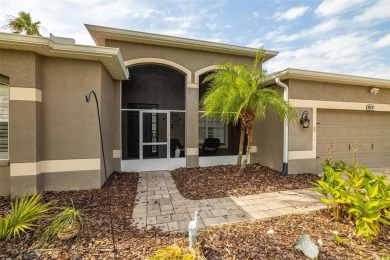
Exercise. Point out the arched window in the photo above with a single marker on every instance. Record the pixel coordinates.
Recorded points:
(156, 85)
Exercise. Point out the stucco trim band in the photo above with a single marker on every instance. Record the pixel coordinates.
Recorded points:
(116, 154)
(294, 155)
(253, 149)
(25, 169)
(25, 94)
(192, 151)
(160, 61)
(192, 85)
(35, 168)
(337, 105)
(204, 70)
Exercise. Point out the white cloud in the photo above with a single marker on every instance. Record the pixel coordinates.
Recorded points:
(279, 36)
(383, 41)
(292, 13)
(332, 7)
(212, 26)
(379, 11)
(256, 43)
(347, 54)
(256, 14)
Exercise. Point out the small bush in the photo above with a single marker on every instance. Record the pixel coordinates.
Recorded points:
(67, 222)
(355, 192)
(174, 252)
(24, 212)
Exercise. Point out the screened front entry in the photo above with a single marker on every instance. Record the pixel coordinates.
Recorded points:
(153, 119)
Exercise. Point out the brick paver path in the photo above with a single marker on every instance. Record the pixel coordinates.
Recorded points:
(160, 204)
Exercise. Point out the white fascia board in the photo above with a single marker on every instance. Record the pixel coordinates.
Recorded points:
(59, 49)
(331, 78)
(98, 31)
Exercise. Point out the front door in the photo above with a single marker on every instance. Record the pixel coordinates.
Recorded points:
(154, 140)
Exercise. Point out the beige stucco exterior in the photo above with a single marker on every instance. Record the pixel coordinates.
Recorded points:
(54, 139)
(189, 61)
(315, 92)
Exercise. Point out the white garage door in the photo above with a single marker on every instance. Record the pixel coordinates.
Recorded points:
(341, 128)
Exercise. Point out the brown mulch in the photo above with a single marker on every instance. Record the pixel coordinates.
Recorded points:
(224, 181)
(240, 241)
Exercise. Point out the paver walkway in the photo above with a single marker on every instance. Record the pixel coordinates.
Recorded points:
(160, 204)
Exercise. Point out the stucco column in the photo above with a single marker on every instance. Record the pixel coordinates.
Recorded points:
(192, 124)
(25, 134)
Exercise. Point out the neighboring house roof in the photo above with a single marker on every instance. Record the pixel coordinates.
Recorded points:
(331, 78)
(111, 58)
(100, 34)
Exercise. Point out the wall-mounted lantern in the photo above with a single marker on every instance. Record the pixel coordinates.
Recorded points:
(305, 121)
(374, 91)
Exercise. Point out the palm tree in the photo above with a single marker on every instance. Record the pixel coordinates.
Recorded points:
(23, 23)
(238, 93)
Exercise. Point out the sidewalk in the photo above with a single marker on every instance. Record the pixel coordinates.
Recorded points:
(160, 204)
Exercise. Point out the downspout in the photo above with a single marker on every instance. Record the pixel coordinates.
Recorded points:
(285, 130)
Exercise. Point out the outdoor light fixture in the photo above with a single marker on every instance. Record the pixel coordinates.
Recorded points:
(374, 91)
(305, 121)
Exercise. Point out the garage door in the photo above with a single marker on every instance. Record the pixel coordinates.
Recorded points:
(341, 128)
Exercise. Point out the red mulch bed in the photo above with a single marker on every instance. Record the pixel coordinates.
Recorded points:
(224, 181)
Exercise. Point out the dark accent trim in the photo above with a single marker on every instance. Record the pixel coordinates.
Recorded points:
(284, 170)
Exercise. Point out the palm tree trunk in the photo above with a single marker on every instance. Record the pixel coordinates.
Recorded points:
(241, 147)
(249, 132)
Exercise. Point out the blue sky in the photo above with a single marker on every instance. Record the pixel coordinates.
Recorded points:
(339, 36)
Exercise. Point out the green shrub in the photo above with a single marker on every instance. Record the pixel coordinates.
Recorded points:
(68, 221)
(355, 192)
(174, 252)
(24, 212)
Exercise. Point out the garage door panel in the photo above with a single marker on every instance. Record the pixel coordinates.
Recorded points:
(386, 133)
(386, 120)
(354, 118)
(354, 132)
(342, 132)
(369, 131)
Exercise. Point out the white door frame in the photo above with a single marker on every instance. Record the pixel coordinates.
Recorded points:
(160, 163)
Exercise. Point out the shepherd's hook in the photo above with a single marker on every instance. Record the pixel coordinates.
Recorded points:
(88, 98)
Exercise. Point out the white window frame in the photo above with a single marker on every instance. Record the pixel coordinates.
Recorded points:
(224, 144)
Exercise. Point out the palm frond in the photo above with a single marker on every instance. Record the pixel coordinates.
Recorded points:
(23, 23)
(22, 216)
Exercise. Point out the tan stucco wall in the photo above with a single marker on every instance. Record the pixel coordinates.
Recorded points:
(12, 63)
(301, 139)
(5, 188)
(191, 59)
(70, 123)
(63, 127)
(268, 137)
(110, 109)
(312, 90)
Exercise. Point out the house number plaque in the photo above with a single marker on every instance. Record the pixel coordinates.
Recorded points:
(370, 107)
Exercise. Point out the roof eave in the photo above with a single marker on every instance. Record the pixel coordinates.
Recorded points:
(330, 77)
(100, 34)
(47, 47)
